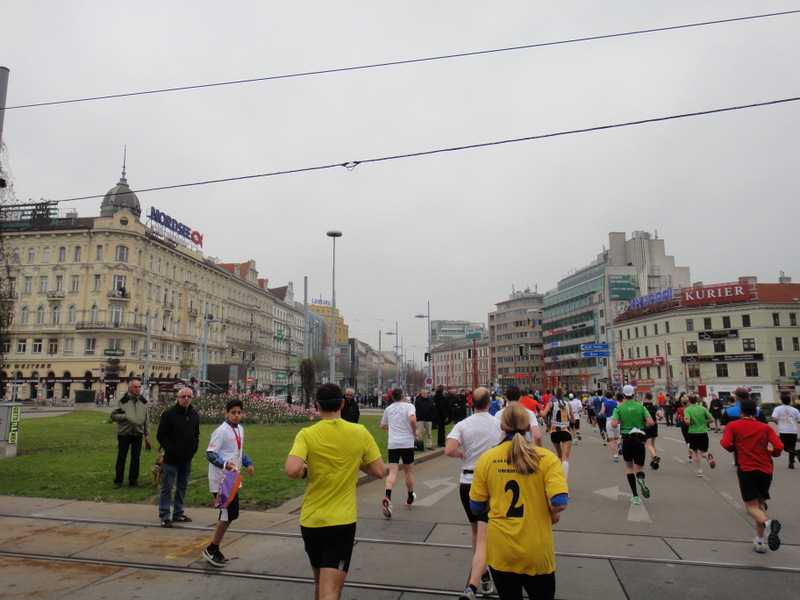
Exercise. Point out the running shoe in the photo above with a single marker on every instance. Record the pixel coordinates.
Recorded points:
(467, 595)
(215, 557)
(410, 501)
(643, 485)
(387, 508)
(711, 462)
(635, 500)
(578, 435)
(773, 526)
(616, 458)
(487, 584)
(759, 545)
(654, 464)
(699, 472)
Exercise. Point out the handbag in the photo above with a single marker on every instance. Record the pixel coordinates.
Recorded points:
(228, 486)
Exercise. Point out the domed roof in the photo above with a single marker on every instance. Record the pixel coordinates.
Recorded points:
(120, 197)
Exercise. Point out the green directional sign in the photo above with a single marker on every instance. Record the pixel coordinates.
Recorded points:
(280, 376)
(474, 336)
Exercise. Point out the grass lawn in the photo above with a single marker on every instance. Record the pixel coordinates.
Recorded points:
(72, 456)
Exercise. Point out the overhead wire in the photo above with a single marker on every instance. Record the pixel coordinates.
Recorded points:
(403, 62)
(350, 165)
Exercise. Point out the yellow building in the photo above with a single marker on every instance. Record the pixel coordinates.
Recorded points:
(323, 309)
(90, 296)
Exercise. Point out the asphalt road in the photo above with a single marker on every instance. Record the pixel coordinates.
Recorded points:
(691, 539)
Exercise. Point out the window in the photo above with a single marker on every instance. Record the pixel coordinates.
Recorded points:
(71, 315)
(94, 313)
(62, 254)
(96, 283)
(689, 324)
(779, 344)
(52, 346)
(31, 255)
(98, 252)
(115, 344)
(647, 352)
(655, 329)
(719, 345)
(750, 369)
(691, 348)
(150, 262)
(22, 346)
(36, 346)
(75, 283)
(666, 326)
(121, 254)
(669, 349)
(27, 286)
(40, 315)
(43, 284)
(134, 347)
(707, 323)
(748, 344)
(117, 315)
(793, 319)
(119, 282)
(56, 314)
(5, 346)
(69, 347)
(745, 320)
(776, 319)
(722, 370)
(636, 332)
(76, 257)
(24, 315)
(796, 344)
(59, 283)
(726, 322)
(89, 347)
(782, 369)
(694, 370)
(46, 255)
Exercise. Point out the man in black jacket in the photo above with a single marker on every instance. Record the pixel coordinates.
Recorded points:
(426, 411)
(441, 414)
(179, 435)
(350, 411)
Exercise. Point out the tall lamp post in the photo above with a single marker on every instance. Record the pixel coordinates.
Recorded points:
(206, 320)
(396, 354)
(430, 358)
(256, 337)
(333, 233)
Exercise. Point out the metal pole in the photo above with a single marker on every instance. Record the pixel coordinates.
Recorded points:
(146, 378)
(396, 354)
(255, 360)
(380, 364)
(332, 342)
(205, 352)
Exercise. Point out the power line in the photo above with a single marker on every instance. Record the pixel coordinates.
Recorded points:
(402, 62)
(350, 165)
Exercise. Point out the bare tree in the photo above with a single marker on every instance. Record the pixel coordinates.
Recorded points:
(308, 374)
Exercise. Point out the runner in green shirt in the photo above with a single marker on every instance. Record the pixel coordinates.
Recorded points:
(697, 417)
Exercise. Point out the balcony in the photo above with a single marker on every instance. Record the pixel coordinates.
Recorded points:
(192, 311)
(110, 325)
(56, 295)
(120, 294)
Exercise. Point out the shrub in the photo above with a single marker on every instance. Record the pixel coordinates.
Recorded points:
(257, 410)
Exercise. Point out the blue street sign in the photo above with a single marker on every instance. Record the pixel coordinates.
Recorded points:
(594, 354)
(594, 346)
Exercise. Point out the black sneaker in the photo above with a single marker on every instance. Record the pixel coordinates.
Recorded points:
(215, 557)
(182, 519)
(166, 523)
(773, 527)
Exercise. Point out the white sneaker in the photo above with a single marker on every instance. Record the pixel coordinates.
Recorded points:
(487, 584)
(759, 545)
(387, 508)
(699, 472)
(616, 458)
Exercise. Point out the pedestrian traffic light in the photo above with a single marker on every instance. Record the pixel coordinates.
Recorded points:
(427, 357)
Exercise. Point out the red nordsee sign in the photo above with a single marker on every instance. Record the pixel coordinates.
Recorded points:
(715, 294)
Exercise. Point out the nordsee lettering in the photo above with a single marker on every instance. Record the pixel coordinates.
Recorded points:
(655, 298)
(182, 230)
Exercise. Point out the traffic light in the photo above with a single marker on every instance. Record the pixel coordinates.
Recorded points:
(469, 353)
(427, 357)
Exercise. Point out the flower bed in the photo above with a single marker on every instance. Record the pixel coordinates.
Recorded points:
(257, 410)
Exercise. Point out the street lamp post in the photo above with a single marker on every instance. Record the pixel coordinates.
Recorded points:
(396, 355)
(207, 318)
(430, 358)
(256, 337)
(333, 233)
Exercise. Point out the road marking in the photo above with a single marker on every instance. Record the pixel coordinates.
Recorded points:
(636, 513)
(449, 486)
(189, 549)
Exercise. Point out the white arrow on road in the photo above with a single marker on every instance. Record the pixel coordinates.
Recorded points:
(449, 486)
(637, 512)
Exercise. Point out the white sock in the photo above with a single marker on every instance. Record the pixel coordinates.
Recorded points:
(565, 466)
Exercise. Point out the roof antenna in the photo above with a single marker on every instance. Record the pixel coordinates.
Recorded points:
(124, 160)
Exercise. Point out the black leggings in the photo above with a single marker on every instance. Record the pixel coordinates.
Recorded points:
(510, 585)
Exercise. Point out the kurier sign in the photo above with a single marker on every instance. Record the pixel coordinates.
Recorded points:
(715, 294)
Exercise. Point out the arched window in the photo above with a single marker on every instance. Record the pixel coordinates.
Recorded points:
(72, 314)
(56, 314)
(25, 315)
(94, 313)
(117, 314)
(40, 315)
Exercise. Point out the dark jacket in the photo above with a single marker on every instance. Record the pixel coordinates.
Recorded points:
(179, 434)
(442, 408)
(425, 408)
(350, 411)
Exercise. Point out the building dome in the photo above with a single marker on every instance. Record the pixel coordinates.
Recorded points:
(120, 197)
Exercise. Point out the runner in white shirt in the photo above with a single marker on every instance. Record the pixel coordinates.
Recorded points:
(577, 408)
(787, 417)
(401, 421)
(468, 440)
(513, 394)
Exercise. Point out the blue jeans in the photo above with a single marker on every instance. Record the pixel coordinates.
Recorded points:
(167, 478)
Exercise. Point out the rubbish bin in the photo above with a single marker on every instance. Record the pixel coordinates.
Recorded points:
(9, 428)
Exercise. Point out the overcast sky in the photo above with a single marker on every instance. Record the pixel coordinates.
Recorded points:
(461, 228)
